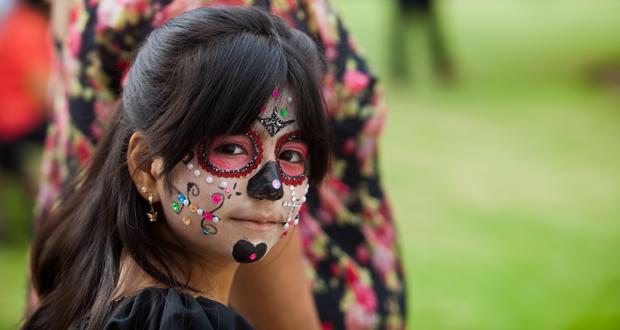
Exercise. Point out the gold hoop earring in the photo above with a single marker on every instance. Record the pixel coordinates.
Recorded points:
(152, 214)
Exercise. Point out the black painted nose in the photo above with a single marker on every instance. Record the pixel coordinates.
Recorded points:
(266, 183)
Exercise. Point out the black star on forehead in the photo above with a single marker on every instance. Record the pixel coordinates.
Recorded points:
(273, 124)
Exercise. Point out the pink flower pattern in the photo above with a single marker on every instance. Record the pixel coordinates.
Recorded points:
(347, 228)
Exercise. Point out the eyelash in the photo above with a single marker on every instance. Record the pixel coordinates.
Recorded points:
(293, 180)
(295, 153)
(221, 149)
(254, 149)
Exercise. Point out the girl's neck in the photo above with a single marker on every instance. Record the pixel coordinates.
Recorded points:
(211, 279)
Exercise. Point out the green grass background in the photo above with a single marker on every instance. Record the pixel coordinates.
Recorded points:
(506, 183)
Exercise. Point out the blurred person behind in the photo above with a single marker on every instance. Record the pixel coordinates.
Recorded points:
(347, 240)
(25, 57)
(411, 14)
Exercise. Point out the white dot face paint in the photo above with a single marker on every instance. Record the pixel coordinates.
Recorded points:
(211, 211)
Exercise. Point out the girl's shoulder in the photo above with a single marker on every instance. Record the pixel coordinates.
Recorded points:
(155, 308)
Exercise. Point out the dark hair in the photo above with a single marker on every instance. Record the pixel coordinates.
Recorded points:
(207, 72)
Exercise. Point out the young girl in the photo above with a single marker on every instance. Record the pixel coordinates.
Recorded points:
(205, 165)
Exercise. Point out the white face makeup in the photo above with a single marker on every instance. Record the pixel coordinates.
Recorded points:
(237, 195)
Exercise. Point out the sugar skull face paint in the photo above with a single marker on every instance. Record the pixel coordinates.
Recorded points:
(274, 123)
(245, 252)
(292, 158)
(231, 156)
(235, 196)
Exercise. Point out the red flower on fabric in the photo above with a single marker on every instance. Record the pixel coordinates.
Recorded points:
(82, 151)
(355, 81)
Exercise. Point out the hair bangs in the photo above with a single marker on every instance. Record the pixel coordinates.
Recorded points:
(224, 86)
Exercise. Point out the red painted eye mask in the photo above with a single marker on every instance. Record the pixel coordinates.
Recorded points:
(234, 156)
(231, 156)
(292, 156)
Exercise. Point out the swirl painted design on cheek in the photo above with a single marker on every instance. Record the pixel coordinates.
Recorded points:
(207, 215)
(231, 165)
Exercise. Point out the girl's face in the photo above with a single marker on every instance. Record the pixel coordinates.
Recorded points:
(237, 195)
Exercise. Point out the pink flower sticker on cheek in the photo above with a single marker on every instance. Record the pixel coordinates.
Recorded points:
(216, 198)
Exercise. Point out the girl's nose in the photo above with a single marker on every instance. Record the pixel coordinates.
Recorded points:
(266, 183)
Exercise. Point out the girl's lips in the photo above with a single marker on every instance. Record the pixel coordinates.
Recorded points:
(256, 224)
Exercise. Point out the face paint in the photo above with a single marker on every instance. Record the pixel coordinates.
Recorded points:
(231, 156)
(273, 124)
(291, 153)
(207, 215)
(294, 204)
(245, 252)
(210, 213)
(266, 183)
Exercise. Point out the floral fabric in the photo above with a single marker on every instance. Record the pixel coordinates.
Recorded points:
(347, 229)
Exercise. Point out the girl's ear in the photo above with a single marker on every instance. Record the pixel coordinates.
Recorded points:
(144, 171)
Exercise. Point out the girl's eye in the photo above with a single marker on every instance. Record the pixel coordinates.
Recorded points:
(292, 156)
(231, 149)
(231, 152)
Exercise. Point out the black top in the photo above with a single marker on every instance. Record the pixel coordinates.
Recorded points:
(154, 308)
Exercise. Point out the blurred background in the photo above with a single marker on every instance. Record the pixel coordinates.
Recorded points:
(501, 157)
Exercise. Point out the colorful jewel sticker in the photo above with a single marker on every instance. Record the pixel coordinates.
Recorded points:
(273, 124)
(293, 204)
(205, 215)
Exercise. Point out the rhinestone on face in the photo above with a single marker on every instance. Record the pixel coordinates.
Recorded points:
(284, 112)
(276, 184)
(286, 226)
(193, 207)
(187, 220)
(196, 173)
(200, 211)
(289, 99)
(209, 179)
(186, 202)
(223, 184)
(206, 231)
(273, 124)
(190, 166)
(216, 218)
(216, 198)
(176, 207)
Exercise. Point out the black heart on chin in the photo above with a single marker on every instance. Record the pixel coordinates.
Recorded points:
(245, 252)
